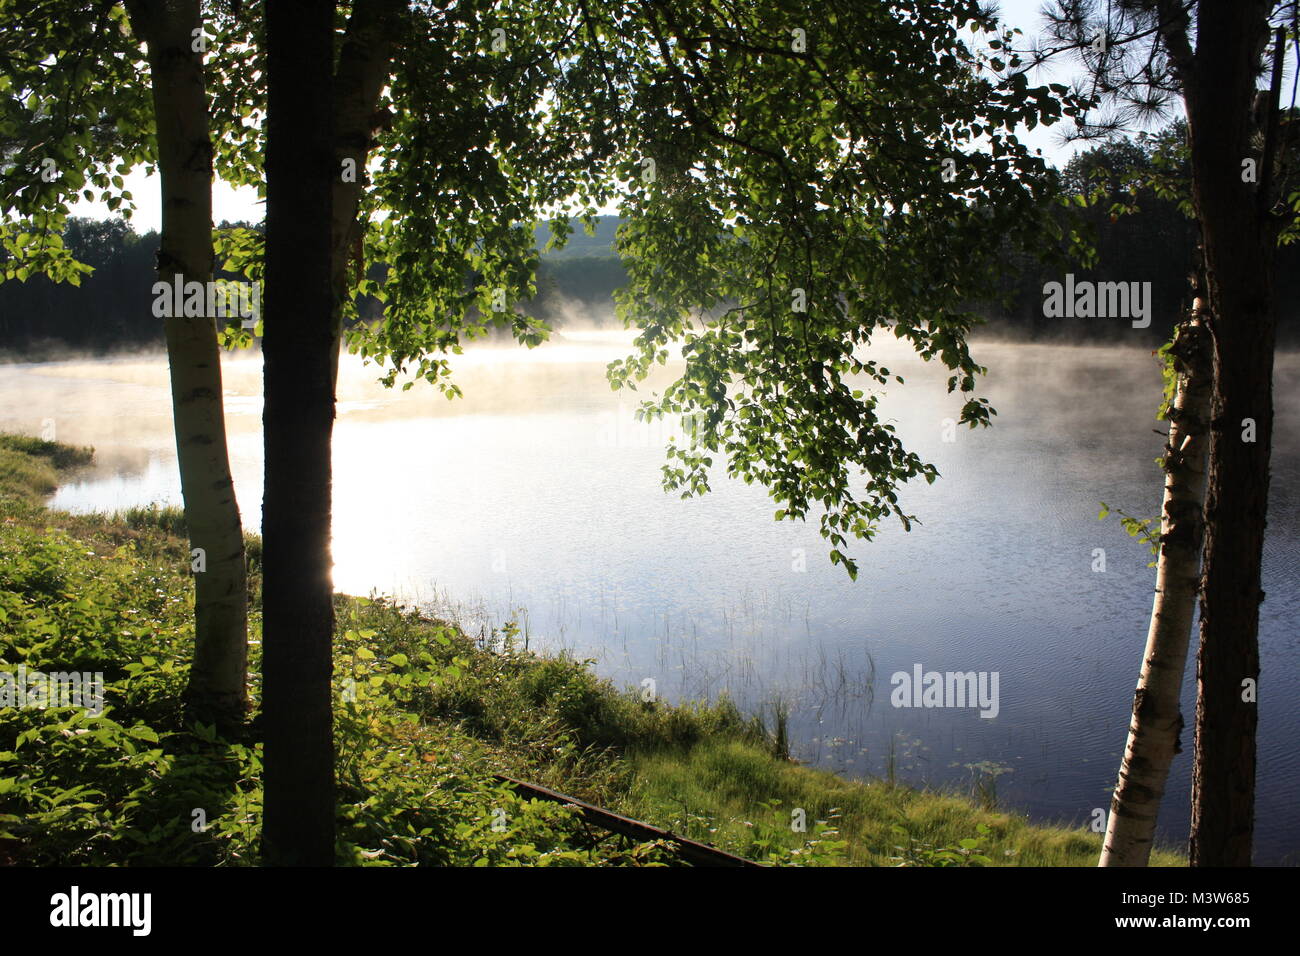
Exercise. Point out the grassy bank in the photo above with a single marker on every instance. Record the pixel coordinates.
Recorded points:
(425, 715)
(29, 467)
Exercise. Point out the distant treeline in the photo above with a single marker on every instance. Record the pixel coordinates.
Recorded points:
(110, 310)
(1140, 238)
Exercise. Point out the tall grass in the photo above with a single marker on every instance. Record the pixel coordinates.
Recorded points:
(736, 793)
(170, 519)
(166, 518)
(57, 454)
(29, 466)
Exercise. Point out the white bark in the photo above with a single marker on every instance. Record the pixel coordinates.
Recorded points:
(217, 689)
(1153, 737)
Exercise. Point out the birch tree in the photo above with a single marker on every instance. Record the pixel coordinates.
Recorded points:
(1142, 57)
(1157, 722)
(91, 90)
(172, 33)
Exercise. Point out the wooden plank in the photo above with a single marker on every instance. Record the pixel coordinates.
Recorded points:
(699, 854)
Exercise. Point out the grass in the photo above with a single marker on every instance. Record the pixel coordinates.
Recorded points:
(425, 716)
(29, 467)
(167, 518)
(735, 794)
(170, 519)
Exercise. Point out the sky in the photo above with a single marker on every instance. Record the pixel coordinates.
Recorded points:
(233, 204)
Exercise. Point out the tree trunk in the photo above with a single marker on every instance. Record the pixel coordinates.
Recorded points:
(217, 691)
(1239, 249)
(298, 420)
(363, 72)
(1157, 722)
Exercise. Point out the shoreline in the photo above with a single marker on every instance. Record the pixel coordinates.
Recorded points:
(426, 716)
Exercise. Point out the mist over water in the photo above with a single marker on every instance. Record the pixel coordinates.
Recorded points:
(537, 495)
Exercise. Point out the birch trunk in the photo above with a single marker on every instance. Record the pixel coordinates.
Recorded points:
(217, 691)
(363, 71)
(1153, 737)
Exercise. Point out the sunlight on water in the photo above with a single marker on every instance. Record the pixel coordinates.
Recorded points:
(537, 495)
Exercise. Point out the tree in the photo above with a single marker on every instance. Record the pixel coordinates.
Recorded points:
(794, 188)
(39, 311)
(798, 187)
(1157, 724)
(80, 109)
(1157, 175)
(1139, 227)
(217, 688)
(487, 127)
(298, 420)
(1240, 231)
(1141, 56)
(364, 69)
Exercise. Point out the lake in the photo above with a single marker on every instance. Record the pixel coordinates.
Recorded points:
(537, 496)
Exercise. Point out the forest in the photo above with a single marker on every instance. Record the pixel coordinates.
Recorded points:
(865, 436)
(577, 281)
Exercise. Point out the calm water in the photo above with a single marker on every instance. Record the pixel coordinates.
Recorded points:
(538, 496)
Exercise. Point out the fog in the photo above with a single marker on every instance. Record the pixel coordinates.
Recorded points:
(538, 496)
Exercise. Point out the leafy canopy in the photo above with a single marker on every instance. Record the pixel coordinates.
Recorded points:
(818, 179)
(794, 183)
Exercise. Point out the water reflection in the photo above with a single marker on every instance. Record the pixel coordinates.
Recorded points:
(537, 496)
